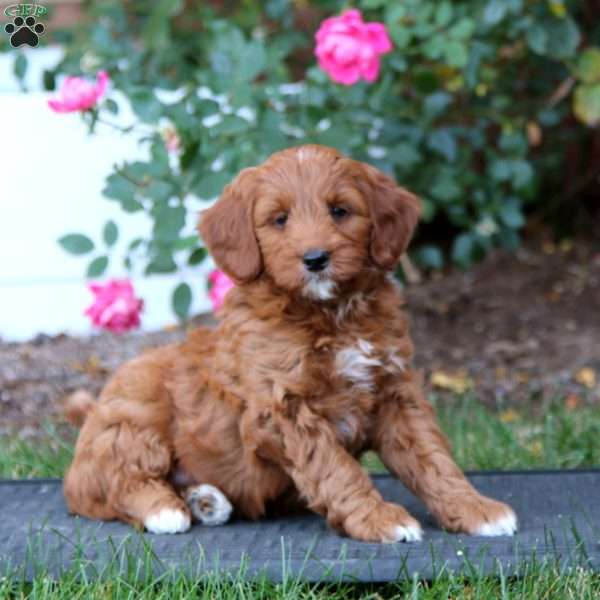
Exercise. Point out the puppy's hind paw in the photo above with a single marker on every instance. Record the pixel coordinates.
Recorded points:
(208, 505)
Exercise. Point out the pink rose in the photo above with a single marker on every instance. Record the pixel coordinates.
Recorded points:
(115, 306)
(77, 93)
(348, 49)
(220, 285)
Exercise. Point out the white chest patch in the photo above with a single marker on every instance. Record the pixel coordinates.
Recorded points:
(356, 363)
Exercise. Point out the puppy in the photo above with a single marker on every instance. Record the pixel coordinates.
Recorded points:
(309, 367)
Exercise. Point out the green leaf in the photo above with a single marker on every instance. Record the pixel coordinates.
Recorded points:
(371, 4)
(443, 14)
(456, 53)
(586, 104)
(159, 191)
(400, 33)
(463, 250)
(161, 262)
(182, 300)
(514, 143)
(435, 104)
(588, 65)
(494, 12)
(76, 243)
(501, 169)
(20, 66)
(442, 142)
(131, 206)
(430, 257)
(522, 173)
(145, 105)
(185, 242)
(168, 222)
(119, 188)
(230, 125)
(212, 184)
(97, 267)
(537, 38)
(555, 37)
(134, 244)
(197, 256)
(462, 30)
(445, 187)
(404, 156)
(511, 214)
(111, 106)
(110, 233)
(49, 80)
(252, 61)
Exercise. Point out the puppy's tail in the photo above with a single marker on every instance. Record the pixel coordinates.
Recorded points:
(77, 407)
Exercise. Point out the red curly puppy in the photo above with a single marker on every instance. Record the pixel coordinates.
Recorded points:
(309, 366)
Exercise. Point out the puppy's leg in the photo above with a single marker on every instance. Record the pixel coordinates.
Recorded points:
(119, 472)
(330, 480)
(154, 503)
(412, 446)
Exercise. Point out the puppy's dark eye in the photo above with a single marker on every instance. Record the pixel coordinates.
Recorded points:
(338, 212)
(280, 220)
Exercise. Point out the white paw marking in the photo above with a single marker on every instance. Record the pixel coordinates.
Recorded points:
(209, 505)
(168, 520)
(506, 525)
(355, 364)
(409, 533)
(319, 289)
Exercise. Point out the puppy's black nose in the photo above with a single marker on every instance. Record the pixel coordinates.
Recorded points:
(316, 259)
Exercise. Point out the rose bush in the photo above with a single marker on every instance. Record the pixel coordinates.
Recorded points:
(472, 108)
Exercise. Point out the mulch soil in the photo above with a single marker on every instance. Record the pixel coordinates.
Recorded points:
(519, 328)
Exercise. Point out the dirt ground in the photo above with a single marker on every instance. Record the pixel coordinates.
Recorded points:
(520, 327)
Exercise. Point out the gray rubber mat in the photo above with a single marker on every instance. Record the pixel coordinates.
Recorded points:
(559, 514)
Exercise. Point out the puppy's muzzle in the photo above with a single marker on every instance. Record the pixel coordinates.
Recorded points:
(316, 259)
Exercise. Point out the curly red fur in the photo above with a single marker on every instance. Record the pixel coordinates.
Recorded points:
(304, 372)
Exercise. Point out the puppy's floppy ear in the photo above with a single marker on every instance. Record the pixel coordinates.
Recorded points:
(227, 229)
(394, 213)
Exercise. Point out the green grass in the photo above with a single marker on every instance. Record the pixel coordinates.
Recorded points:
(555, 438)
(536, 582)
(517, 439)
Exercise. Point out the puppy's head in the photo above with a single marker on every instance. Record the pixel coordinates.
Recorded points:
(311, 219)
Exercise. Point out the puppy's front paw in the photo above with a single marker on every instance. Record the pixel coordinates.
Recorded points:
(479, 515)
(388, 523)
(168, 520)
(403, 527)
(208, 504)
(506, 524)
